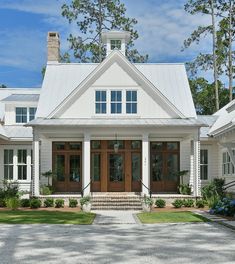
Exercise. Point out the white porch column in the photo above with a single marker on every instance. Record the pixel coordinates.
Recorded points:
(86, 163)
(195, 180)
(35, 178)
(145, 164)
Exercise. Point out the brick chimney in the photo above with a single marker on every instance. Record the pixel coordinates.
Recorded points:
(53, 47)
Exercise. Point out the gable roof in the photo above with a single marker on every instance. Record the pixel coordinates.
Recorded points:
(225, 120)
(63, 81)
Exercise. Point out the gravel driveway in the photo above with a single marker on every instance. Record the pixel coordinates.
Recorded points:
(126, 243)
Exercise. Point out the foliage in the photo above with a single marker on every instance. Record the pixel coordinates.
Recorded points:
(10, 189)
(93, 17)
(148, 201)
(85, 200)
(178, 203)
(35, 203)
(45, 190)
(3, 86)
(73, 202)
(188, 202)
(59, 203)
(200, 203)
(24, 202)
(49, 202)
(46, 217)
(13, 203)
(2, 202)
(184, 189)
(224, 206)
(170, 217)
(160, 203)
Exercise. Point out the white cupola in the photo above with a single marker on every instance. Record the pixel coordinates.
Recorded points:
(115, 40)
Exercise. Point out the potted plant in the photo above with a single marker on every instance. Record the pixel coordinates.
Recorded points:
(85, 203)
(147, 204)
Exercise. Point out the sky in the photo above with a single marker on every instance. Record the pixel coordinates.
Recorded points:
(162, 26)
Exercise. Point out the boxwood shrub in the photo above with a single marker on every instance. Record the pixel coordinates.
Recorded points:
(49, 202)
(59, 203)
(160, 203)
(35, 203)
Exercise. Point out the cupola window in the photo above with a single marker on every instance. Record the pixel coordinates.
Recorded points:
(115, 44)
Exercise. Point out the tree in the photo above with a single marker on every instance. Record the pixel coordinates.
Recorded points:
(92, 17)
(203, 96)
(3, 86)
(204, 61)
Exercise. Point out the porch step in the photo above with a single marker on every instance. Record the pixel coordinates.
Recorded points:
(116, 202)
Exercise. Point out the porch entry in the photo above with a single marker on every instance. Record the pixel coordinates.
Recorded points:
(67, 160)
(165, 158)
(116, 165)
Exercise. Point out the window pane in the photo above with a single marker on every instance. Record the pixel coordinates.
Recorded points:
(59, 146)
(60, 167)
(157, 145)
(136, 144)
(22, 172)
(119, 108)
(134, 96)
(113, 111)
(134, 108)
(21, 114)
(103, 96)
(119, 142)
(95, 166)
(75, 146)
(100, 106)
(74, 168)
(157, 167)
(128, 108)
(113, 96)
(32, 112)
(172, 167)
(136, 166)
(119, 96)
(95, 144)
(128, 95)
(97, 96)
(22, 156)
(172, 146)
(103, 105)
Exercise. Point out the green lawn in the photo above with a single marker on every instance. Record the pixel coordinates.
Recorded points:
(170, 217)
(46, 217)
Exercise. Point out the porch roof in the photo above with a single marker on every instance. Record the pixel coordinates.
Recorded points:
(16, 132)
(127, 122)
(21, 98)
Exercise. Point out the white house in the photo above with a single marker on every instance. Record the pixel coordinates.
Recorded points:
(110, 127)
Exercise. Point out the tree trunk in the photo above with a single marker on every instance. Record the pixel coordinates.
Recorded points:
(214, 56)
(100, 29)
(230, 62)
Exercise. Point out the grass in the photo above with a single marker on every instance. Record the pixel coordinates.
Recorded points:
(170, 217)
(46, 217)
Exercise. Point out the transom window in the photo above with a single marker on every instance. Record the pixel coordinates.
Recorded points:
(100, 102)
(21, 114)
(115, 44)
(116, 102)
(131, 102)
(204, 164)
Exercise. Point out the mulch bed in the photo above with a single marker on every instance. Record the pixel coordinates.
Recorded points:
(64, 209)
(173, 209)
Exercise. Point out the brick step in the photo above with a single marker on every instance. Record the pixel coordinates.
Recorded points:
(139, 208)
(115, 200)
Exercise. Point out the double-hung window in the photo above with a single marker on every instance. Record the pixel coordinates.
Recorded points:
(32, 112)
(21, 114)
(22, 164)
(131, 102)
(226, 163)
(8, 164)
(116, 102)
(100, 102)
(204, 164)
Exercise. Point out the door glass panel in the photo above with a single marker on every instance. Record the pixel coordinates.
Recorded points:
(136, 166)
(116, 167)
(157, 146)
(74, 168)
(172, 145)
(136, 144)
(95, 144)
(119, 142)
(59, 146)
(75, 146)
(172, 167)
(60, 167)
(95, 166)
(157, 167)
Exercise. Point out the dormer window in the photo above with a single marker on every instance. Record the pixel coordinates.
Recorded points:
(115, 44)
(25, 114)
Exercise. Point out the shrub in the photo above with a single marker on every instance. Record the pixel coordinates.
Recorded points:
(73, 202)
(178, 203)
(13, 203)
(184, 189)
(85, 200)
(24, 203)
(200, 203)
(160, 203)
(225, 207)
(49, 202)
(10, 189)
(188, 202)
(2, 202)
(59, 203)
(35, 203)
(45, 190)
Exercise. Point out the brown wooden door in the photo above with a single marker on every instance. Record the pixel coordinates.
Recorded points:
(116, 172)
(136, 169)
(67, 168)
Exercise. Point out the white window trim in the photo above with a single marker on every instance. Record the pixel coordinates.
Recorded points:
(208, 163)
(15, 162)
(231, 174)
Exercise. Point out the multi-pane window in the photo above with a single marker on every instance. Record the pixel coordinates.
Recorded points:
(22, 164)
(115, 44)
(8, 164)
(32, 112)
(21, 114)
(131, 102)
(204, 164)
(226, 163)
(116, 102)
(100, 102)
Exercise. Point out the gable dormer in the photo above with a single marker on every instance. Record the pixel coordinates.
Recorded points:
(115, 40)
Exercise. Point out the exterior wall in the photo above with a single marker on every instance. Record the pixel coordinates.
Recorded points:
(24, 185)
(185, 155)
(84, 107)
(45, 159)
